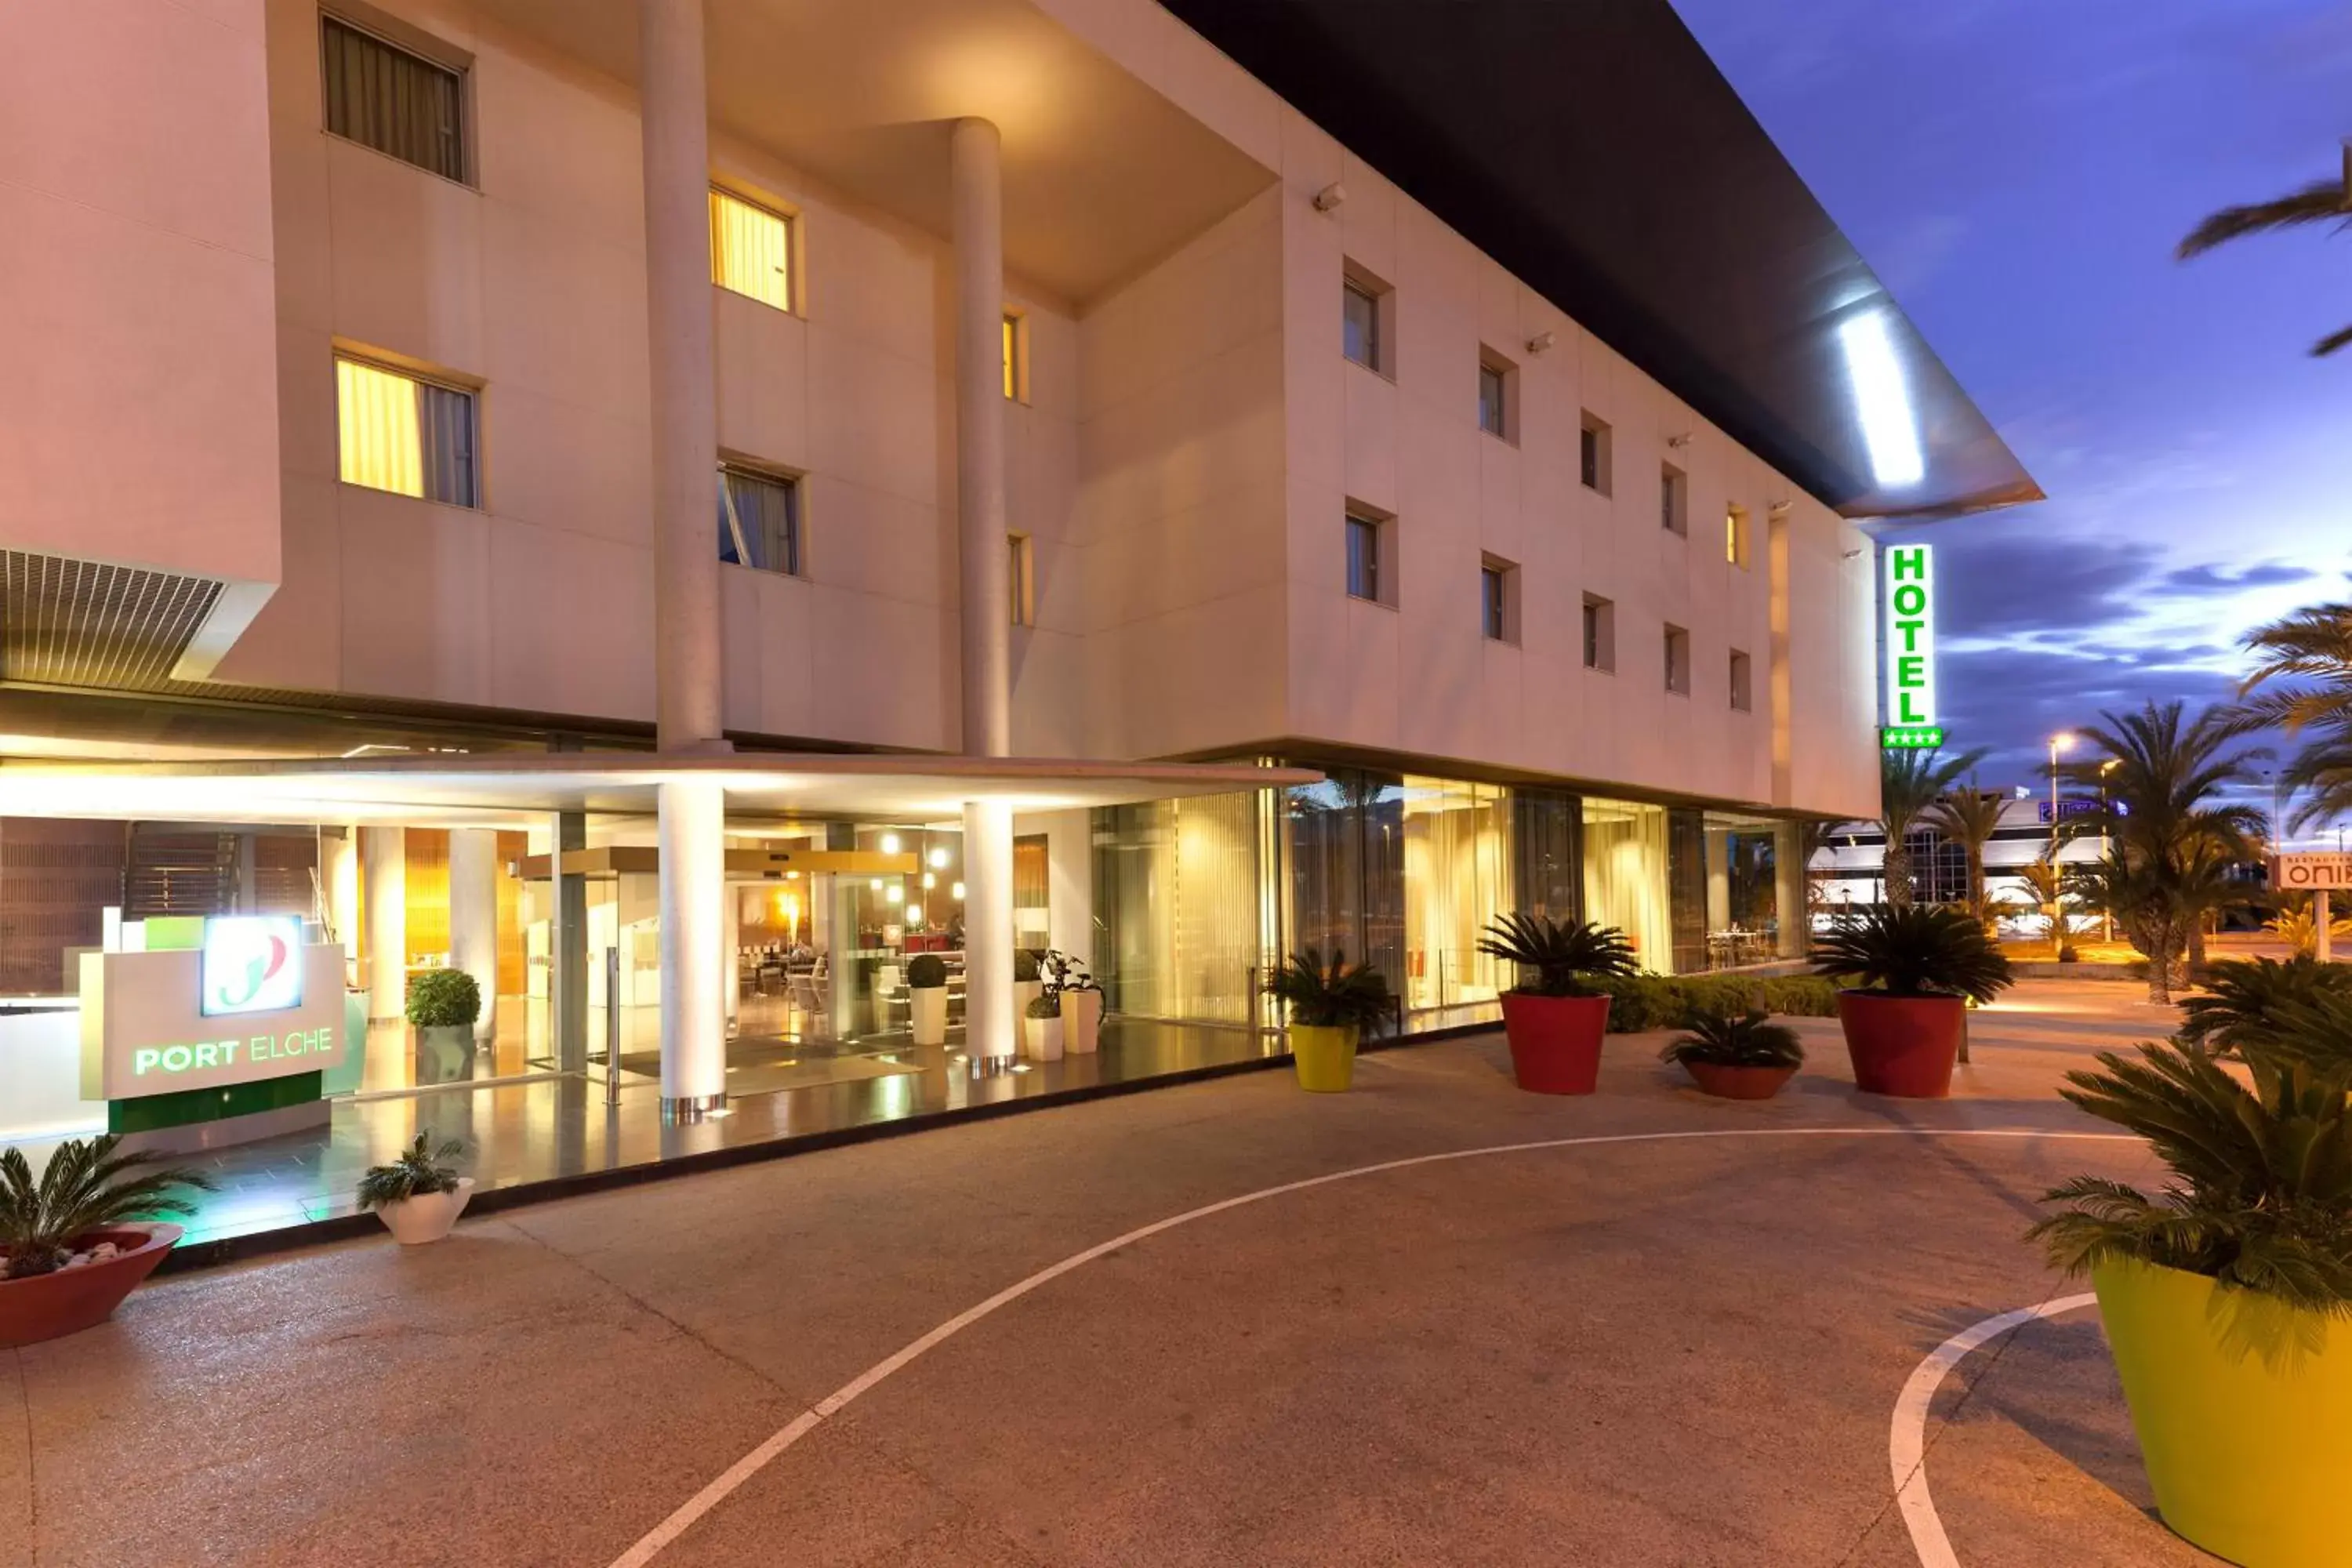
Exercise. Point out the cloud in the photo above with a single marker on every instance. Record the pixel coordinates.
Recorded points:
(2210, 578)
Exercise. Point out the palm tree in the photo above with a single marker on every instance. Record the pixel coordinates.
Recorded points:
(1971, 816)
(1814, 836)
(1909, 785)
(2321, 201)
(2314, 648)
(2047, 883)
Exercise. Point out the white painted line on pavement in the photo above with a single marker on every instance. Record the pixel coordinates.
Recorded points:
(1906, 1442)
(688, 1512)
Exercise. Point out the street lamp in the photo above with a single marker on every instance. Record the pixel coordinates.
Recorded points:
(2058, 743)
(2107, 916)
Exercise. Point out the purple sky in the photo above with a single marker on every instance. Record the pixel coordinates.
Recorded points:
(2019, 173)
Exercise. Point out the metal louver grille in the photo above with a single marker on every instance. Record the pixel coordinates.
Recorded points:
(77, 623)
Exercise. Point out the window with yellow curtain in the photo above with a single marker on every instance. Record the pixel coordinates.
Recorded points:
(405, 433)
(1625, 877)
(751, 250)
(1015, 372)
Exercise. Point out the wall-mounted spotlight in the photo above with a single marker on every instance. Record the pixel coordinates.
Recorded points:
(1330, 196)
(1539, 342)
(1679, 442)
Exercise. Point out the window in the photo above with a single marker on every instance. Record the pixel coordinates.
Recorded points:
(759, 520)
(751, 250)
(1016, 357)
(1367, 313)
(405, 433)
(1674, 506)
(1022, 578)
(1743, 695)
(1600, 633)
(1678, 665)
(398, 102)
(1364, 557)
(1735, 536)
(1496, 377)
(1593, 455)
(1499, 600)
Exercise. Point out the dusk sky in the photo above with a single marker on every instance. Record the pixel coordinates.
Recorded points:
(2019, 173)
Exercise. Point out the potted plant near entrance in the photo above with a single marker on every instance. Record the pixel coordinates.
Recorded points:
(1026, 987)
(444, 1004)
(1082, 1002)
(1331, 1005)
(1737, 1055)
(927, 998)
(1555, 1021)
(70, 1245)
(419, 1196)
(2227, 1298)
(1041, 1026)
(1909, 975)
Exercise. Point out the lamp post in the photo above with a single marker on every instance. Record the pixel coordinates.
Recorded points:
(2106, 916)
(2058, 743)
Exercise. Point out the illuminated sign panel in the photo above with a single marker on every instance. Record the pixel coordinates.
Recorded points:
(2311, 873)
(253, 963)
(1909, 619)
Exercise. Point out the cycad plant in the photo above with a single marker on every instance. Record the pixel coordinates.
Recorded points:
(2262, 1191)
(420, 1171)
(87, 1186)
(1330, 996)
(1736, 1040)
(1567, 958)
(1921, 950)
(2247, 1005)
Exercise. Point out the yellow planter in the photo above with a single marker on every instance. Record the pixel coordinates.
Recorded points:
(2243, 1409)
(1325, 1057)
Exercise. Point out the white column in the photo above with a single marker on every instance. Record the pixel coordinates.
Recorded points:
(990, 1031)
(383, 879)
(731, 969)
(342, 879)
(2323, 941)
(687, 642)
(1789, 874)
(986, 609)
(692, 815)
(474, 917)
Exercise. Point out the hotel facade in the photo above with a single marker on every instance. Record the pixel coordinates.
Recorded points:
(766, 488)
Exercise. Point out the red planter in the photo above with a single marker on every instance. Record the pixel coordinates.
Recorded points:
(1555, 1040)
(1903, 1045)
(1739, 1083)
(71, 1300)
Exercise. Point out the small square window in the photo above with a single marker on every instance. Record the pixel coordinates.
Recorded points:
(1592, 454)
(1364, 557)
(1600, 633)
(1678, 663)
(392, 100)
(1016, 356)
(1499, 599)
(759, 520)
(1021, 579)
(1743, 693)
(405, 433)
(1735, 536)
(1496, 377)
(751, 249)
(1674, 501)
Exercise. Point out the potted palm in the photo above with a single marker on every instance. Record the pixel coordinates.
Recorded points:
(927, 998)
(1554, 1022)
(2248, 1004)
(419, 1196)
(2227, 1298)
(443, 1004)
(1910, 973)
(1082, 1002)
(70, 1246)
(1331, 1005)
(1737, 1055)
(1041, 1026)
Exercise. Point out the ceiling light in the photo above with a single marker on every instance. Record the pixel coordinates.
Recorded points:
(1889, 427)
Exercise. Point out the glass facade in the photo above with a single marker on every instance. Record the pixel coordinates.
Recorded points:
(1625, 876)
(1176, 908)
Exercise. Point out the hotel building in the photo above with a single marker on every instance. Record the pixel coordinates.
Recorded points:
(765, 488)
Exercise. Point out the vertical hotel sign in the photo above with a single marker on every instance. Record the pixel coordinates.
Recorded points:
(1909, 620)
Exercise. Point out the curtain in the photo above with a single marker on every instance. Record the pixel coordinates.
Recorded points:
(1176, 891)
(1457, 879)
(751, 250)
(405, 436)
(766, 518)
(390, 100)
(1625, 876)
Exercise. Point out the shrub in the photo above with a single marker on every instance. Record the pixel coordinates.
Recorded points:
(2250, 1005)
(1334, 996)
(417, 1173)
(1639, 1002)
(1024, 966)
(1049, 1006)
(2069, 953)
(926, 972)
(1569, 957)
(1923, 951)
(1736, 1040)
(439, 998)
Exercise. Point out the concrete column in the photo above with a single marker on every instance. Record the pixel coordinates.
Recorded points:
(1789, 887)
(687, 641)
(567, 978)
(986, 611)
(383, 879)
(341, 875)
(990, 1033)
(1718, 878)
(733, 966)
(474, 917)
(692, 830)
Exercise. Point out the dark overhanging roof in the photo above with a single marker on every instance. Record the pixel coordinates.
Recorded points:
(1592, 147)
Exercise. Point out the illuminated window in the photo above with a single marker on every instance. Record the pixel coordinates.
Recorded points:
(1743, 680)
(1673, 503)
(405, 433)
(759, 520)
(1023, 580)
(398, 102)
(751, 250)
(1735, 536)
(1016, 358)
(1678, 665)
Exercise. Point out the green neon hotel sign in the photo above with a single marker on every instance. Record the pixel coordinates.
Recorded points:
(1909, 609)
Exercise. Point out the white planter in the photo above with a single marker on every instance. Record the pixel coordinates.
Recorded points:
(415, 1221)
(1081, 1022)
(1043, 1036)
(929, 1010)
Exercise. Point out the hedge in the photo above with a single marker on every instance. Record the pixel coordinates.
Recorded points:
(1674, 1001)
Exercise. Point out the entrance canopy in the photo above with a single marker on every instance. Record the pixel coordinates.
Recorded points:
(516, 790)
